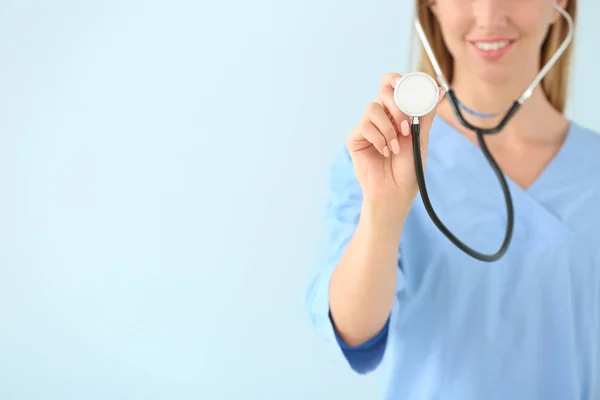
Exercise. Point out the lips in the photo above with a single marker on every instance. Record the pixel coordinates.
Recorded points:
(491, 46)
(492, 49)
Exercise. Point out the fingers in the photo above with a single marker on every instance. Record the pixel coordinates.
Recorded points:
(383, 122)
(378, 116)
(386, 99)
(405, 128)
(372, 134)
(390, 80)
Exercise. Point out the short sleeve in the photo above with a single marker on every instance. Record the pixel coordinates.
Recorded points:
(340, 219)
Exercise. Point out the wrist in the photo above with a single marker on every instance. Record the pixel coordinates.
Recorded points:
(385, 214)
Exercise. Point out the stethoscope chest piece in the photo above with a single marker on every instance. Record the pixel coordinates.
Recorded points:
(416, 94)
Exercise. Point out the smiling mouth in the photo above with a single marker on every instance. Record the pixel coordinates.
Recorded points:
(493, 49)
(492, 46)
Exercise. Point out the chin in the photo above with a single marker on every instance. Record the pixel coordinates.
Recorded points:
(498, 67)
(496, 75)
(497, 72)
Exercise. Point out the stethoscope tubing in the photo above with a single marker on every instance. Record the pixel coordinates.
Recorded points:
(480, 133)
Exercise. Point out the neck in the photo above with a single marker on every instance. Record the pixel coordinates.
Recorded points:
(530, 123)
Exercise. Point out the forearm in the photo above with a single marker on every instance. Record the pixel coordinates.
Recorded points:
(363, 284)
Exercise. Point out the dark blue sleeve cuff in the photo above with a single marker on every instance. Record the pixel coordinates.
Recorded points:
(367, 356)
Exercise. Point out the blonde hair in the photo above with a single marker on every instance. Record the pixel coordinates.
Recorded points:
(555, 83)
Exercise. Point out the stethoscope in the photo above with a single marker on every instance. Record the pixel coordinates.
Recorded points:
(416, 95)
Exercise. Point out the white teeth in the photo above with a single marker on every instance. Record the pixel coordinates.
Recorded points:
(491, 46)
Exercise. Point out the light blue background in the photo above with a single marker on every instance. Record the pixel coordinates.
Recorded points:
(162, 172)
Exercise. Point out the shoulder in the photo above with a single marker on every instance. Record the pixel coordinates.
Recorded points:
(587, 139)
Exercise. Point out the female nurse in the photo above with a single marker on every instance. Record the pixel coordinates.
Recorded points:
(394, 294)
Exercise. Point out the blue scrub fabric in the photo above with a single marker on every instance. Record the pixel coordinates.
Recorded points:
(524, 327)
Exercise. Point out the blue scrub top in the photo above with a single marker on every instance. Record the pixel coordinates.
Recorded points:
(524, 327)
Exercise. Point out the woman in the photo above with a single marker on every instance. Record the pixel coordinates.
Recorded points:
(394, 293)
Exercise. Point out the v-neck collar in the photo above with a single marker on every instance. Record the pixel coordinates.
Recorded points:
(454, 136)
(527, 202)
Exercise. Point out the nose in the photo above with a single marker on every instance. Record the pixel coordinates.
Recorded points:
(490, 14)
